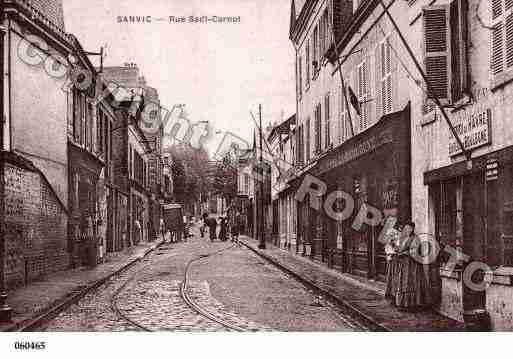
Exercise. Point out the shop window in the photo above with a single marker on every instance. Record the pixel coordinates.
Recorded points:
(448, 212)
(445, 42)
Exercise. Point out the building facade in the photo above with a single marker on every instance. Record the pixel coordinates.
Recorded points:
(281, 142)
(353, 129)
(466, 205)
(35, 141)
(145, 170)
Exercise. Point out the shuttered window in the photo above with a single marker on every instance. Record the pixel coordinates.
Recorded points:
(386, 77)
(437, 50)
(501, 36)
(362, 78)
(318, 129)
(445, 51)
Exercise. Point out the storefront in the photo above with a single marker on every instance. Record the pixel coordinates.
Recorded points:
(472, 208)
(373, 167)
(84, 173)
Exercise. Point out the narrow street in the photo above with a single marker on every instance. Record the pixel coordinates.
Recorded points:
(234, 284)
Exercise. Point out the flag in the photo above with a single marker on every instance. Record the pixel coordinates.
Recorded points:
(354, 101)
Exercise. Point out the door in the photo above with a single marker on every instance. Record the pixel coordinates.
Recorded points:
(475, 218)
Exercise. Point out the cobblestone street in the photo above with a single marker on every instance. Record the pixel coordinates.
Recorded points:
(234, 284)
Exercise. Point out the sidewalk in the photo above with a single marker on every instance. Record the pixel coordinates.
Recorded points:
(41, 297)
(358, 294)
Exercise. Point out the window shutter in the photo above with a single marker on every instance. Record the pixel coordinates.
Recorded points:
(497, 8)
(437, 50)
(364, 76)
(327, 121)
(379, 73)
(497, 53)
(509, 39)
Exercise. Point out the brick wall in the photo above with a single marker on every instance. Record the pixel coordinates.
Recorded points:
(52, 9)
(36, 236)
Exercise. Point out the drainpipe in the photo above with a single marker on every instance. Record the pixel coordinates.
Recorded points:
(5, 310)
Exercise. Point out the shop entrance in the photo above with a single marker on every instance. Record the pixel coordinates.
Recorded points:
(477, 216)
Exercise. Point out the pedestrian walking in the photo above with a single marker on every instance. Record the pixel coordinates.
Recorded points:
(223, 232)
(211, 223)
(235, 228)
(413, 290)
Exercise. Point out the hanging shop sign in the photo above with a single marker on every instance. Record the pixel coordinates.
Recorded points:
(474, 130)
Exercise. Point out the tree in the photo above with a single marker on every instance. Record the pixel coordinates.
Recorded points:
(189, 173)
(225, 178)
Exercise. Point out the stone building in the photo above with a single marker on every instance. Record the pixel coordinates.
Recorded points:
(132, 150)
(88, 160)
(353, 138)
(466, 205)
(282, 144)
(35, 108)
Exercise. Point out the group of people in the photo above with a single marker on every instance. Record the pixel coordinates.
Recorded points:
(227, 226)
(409, 280)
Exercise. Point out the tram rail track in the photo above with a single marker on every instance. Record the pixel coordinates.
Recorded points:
(183, 293)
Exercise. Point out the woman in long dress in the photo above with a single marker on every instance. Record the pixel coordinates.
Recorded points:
(413, 289)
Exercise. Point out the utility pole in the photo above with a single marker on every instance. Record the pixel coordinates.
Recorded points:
(261, 244)
(5, 310)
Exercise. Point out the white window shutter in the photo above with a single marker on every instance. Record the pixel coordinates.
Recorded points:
(497, 63)
(437, 50)
(378, 63)
(509, 40)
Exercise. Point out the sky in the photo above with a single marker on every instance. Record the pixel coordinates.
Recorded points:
(219, 71)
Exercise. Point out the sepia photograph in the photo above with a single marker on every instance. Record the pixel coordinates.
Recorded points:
(296, 170)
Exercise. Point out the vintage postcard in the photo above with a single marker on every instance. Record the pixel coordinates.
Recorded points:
(255, 166)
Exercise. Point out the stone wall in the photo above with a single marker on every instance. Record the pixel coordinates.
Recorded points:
(36, 227)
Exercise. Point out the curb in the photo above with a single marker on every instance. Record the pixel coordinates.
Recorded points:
(51, 312)
(375, 326)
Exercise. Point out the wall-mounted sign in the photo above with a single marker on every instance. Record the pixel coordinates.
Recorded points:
(474, 129)
(492, 170)
(356, 150)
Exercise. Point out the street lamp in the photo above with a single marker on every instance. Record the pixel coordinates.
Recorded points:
(5, 310)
